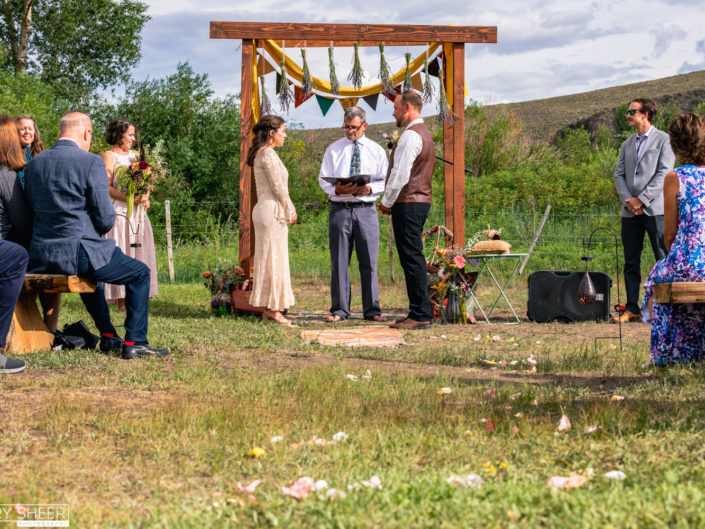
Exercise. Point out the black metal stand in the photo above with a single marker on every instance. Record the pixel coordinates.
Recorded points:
(587, 259)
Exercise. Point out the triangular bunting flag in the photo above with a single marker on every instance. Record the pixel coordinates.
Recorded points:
(348, 102)
(433, 67)
(371, 101)
(324, 103)
(299, 97)
(394, 94)
(263, 67)
(417, 83)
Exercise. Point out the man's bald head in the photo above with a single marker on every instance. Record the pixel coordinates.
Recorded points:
(77, 126)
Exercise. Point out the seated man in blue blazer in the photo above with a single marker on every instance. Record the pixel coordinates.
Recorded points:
(67, 189)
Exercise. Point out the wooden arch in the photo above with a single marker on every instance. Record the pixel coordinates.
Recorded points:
(454, 39)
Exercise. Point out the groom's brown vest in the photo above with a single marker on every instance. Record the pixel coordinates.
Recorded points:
(418, 188)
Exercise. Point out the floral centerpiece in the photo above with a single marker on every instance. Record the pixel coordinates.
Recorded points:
(221, 281)
(450, 281)
(139, 178)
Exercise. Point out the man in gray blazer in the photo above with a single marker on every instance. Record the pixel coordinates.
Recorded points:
(644, 160)
(67, 189)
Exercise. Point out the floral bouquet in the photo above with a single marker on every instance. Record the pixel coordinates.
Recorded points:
(139, 178)
(450, 281)
(222, 280)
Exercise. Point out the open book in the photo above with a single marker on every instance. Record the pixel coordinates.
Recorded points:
(360, 180)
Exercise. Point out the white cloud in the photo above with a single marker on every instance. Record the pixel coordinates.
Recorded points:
(545, 47)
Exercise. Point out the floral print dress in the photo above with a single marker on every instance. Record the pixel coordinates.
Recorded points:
(678, 329)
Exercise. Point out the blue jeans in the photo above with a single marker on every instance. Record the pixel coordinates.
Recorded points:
(121, 270)
(13, 265)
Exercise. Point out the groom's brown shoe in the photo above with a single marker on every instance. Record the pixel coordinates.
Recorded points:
(626, 317)
(411, 325)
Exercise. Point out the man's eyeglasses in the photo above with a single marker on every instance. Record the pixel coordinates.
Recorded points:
(633, 111)
(350, 128)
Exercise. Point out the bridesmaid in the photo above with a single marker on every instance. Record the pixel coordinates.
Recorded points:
(120, 135)
(274, 211)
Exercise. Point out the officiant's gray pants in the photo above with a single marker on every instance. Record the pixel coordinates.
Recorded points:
(353, 224)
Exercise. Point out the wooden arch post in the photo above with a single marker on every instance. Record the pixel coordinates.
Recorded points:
(454, 39)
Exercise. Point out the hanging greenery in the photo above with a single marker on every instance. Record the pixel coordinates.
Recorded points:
(306, 82)
(334, 85)
(265, 106)
(427, 85)
(385, 72)
(407, 75)
(356, 74)
(285, 95)
(444, 113)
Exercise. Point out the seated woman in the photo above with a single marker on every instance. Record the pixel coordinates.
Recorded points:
(677, 329)
(15, 217)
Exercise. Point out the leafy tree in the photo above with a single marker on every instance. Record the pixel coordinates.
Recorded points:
(76, 45)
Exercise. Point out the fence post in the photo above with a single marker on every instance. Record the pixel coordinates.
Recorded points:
(169, 250)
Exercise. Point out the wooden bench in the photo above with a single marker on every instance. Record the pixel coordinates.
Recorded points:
(684, 292)
(28, 332)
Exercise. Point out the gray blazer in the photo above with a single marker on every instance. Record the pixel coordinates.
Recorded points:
(15, 217)
(67, 190)
(643, 178)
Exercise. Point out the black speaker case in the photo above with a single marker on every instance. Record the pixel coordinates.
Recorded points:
(553, 296)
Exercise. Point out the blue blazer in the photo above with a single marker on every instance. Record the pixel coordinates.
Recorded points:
(67, 189)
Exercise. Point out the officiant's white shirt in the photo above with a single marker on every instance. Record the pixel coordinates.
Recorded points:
(408, 148)
(336, 163)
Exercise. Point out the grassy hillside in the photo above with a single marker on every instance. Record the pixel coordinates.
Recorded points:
(544, 117)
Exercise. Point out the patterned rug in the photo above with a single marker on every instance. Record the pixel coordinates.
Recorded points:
(355, 337)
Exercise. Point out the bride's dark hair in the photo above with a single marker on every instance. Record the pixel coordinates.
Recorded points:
(261, 135)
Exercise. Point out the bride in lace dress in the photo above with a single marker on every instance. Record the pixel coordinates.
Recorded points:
(274, 211)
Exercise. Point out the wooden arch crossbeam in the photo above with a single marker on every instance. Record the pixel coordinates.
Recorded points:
(454, 39)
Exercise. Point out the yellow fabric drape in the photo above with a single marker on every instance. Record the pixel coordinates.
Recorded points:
(296, 73)
(255, 87)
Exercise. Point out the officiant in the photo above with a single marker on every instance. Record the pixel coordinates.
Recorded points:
(352, 175)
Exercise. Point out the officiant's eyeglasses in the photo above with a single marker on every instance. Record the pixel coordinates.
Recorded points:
(350, 128)
(633, 111)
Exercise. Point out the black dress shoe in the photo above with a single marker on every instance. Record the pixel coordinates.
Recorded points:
(140, 350)
(110, 343)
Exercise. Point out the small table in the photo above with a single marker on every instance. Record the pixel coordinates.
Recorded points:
(484, 265)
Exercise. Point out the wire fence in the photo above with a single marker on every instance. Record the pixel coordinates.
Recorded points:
(203, 232)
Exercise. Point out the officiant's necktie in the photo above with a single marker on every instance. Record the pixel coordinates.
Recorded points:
(355, 160)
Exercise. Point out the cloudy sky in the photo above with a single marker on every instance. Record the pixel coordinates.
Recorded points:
(545, 48)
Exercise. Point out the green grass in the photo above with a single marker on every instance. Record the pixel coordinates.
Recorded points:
(163, 443)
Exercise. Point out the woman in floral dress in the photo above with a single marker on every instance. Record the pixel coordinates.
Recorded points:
(678, 329)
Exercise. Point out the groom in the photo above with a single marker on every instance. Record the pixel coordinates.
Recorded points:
(67, 189)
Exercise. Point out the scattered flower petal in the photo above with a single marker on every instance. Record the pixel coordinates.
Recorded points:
(489, 393)
(592, 429)
(444, 336)
(507, 407)
(249, 490)
(564, 423)
(276, 439)
(503, 363)
(531, 361)
(373, 483)
(496, 338)
(514, 396)
(617, 397)
(489, 362)
(321, 484)
(340, 436)
(538, 342)
(471, 481)
(367, 375)
(514, 362)
(535, 402)
(445, 391)
(615, 474)
(257, 452)
(351, 377)
(467, 433)
(572, 482)
(515, 429)
(300, 489)
(335, 494)
(489, 425)
(477, 338)
(518, 415)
